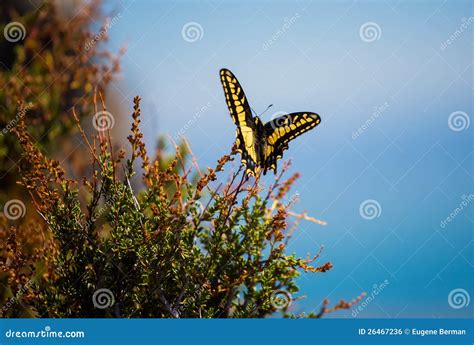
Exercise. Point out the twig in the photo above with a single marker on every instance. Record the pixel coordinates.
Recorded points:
(306, 217)
(193, 157)
(83, 134)
(174, 313)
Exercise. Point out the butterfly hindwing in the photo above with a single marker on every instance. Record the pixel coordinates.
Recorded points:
(246, 145)
(280, 131)
(242, 116)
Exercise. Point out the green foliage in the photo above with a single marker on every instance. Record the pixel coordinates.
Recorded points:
(141, 236)
(181, 247)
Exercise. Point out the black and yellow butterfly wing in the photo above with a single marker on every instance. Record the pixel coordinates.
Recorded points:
(261, 145)
(280, 131)
(239, 108)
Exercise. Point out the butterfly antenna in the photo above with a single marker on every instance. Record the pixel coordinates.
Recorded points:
(255, 113)
(271, 105)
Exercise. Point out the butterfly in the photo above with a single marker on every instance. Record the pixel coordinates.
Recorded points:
(261, 145)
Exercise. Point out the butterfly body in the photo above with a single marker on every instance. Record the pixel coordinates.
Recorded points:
(259, 144)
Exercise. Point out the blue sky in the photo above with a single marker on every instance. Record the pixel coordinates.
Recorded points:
(393, 83)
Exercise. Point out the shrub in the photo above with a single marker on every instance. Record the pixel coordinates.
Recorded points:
(47, 66)
(176, 242)
(51, 70)
(186, 245)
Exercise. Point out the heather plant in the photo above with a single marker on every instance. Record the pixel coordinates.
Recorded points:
(139, 235)
(187, 243)
(47, 64)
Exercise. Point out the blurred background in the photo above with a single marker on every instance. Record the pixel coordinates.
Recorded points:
(390, 167)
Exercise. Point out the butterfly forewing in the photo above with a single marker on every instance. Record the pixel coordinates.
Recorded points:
(241, 114)
(236, 100)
